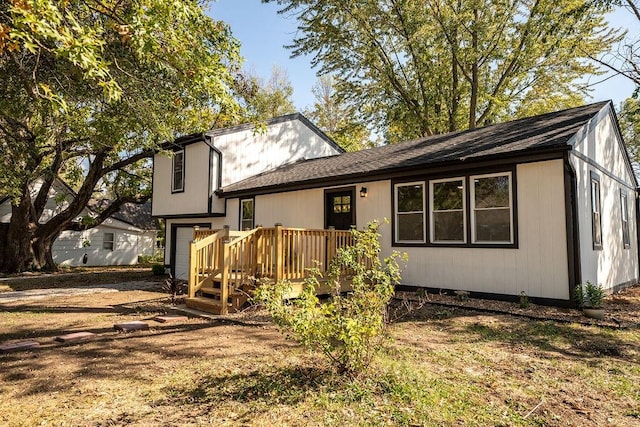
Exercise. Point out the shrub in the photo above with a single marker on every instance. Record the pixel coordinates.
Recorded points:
(589, 295)
(157, 270)
(348, 329)
(174, 287)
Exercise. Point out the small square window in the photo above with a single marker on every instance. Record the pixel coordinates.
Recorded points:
(108, 240)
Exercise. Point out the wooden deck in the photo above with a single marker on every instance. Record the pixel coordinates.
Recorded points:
(224, 265)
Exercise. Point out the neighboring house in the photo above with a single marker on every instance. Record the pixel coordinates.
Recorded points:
(184, 185)
(119, 240)
(535, 205)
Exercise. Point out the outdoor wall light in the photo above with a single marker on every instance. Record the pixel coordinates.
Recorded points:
(363, 192)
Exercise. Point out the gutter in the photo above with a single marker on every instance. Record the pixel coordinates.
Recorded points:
(574, 265)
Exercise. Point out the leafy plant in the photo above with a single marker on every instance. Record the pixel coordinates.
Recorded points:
(157, 269)
(589, 295)
(174, 287)
(348, 329)
(524, 300)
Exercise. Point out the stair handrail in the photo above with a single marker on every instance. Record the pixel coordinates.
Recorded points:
(204, 259)
(233, 250)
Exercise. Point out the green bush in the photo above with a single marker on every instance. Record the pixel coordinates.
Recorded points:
(347, 329)
(157, 270)
(589, 295)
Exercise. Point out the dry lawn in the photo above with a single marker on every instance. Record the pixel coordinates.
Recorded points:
(445, 366)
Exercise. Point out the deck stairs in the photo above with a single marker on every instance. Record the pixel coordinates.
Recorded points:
(224, 265)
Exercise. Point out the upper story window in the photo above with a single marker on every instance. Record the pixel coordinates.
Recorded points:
(624, 215)
(596, 216)
(410, 210)
(247, 214)
(448, 222)
(491, 207)
(177, 177)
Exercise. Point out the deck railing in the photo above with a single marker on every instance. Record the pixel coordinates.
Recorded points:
(278, 253)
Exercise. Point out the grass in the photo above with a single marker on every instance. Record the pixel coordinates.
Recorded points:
(443, 367)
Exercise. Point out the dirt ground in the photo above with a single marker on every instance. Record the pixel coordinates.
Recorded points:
(239, 370)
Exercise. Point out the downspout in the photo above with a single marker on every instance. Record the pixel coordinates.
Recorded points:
(573, 229)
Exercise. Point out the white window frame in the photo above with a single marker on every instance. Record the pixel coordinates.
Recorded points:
(253, 217)
(175, 189)
(112, 242)
(432, 225)
(423, 212)
(472, 179)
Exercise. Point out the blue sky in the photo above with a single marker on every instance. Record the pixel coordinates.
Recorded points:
(264, 33)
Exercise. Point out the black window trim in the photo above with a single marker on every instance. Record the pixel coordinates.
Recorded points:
(595, 177)
(173, 168)
(253, 219)
(624, 210)
(466, 176)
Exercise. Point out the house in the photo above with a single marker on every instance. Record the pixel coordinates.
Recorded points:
(119, 240)
(185, 183)
(535, 205)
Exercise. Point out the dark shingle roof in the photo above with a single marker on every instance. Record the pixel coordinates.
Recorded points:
(546, 131)
(138, 215)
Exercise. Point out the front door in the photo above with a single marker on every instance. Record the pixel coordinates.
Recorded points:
(340, 208)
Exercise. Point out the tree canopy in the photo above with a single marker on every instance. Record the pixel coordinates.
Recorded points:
(426, 67)
(89, 89)
(337, 118)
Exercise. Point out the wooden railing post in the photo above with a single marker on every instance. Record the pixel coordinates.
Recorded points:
(192, 269)
(279, 237)
(331, 246)
(195, 232)
(224, 282)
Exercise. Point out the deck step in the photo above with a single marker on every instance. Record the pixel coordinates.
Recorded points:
(209, 305)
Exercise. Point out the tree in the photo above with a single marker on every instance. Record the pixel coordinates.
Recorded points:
(630, 126)
(262, 99)
(90, 88)
(425, 67)
(626, 60)
(336, 118)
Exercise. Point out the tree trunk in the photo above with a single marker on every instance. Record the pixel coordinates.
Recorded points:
(43, 255)
(17, 254)
(473, 101)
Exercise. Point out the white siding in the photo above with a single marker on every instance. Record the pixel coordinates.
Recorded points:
(71, 246)
(245, 152)
(195, 197)
(613, 264)
(538, 266)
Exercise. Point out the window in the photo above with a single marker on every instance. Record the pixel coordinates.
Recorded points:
(624, 215)
(246, 214)
(341, 204)
(107, 241)
(410, 210)
(491, 207)
(596, 221)
(177, 179)
(448, 224)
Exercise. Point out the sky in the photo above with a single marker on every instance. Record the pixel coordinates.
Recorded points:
(263, 34)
